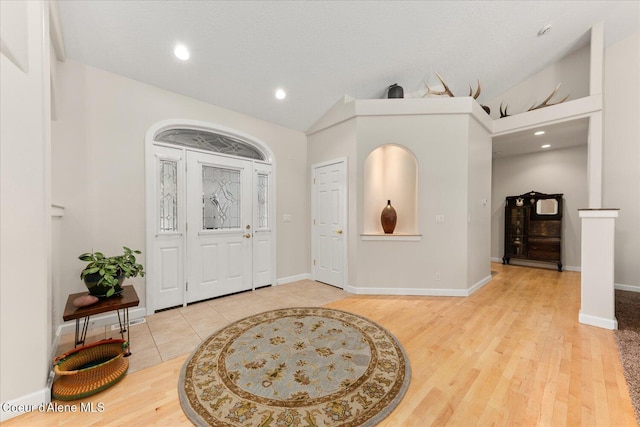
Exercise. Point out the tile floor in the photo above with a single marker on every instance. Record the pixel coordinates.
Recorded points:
(175, 332)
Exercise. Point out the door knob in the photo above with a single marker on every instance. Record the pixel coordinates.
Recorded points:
(247, 236)
(339, 231)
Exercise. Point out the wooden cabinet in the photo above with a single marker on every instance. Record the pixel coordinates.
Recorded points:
(533, 228)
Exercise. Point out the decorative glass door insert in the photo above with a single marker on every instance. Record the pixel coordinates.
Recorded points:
(263, 201)
(221, 198)
(168, 195)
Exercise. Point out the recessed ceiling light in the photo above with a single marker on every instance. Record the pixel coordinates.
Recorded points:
(281, 94)
(545, 146)
(181, 52)
(538, 133)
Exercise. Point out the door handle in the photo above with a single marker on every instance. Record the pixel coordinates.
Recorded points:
(339, 231)
(247, 236)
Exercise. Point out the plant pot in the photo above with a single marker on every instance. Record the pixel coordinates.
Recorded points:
(100, 290)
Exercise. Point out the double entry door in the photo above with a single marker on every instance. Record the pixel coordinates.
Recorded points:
(214, 234)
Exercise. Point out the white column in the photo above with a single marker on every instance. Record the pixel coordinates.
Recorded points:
(594, 160)
(597, 284)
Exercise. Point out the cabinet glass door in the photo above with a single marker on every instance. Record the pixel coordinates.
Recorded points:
(517, 233)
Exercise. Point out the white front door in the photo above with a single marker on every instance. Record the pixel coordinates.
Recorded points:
(219, 226)
(329, 223)
(212, 228)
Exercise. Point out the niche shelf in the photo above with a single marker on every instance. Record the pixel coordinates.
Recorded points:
(394, 236)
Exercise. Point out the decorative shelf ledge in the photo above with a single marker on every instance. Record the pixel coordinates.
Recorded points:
(394, 237)
(598, 213)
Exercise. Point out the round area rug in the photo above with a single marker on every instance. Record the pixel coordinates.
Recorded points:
(295, 367)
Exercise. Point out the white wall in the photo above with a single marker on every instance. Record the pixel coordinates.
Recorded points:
(25, 220)
(557, 171)
(98, 166)
(332, 143)
(453, 155)
(439, 143)
(478, 204)
(621, 158)
(572, 72)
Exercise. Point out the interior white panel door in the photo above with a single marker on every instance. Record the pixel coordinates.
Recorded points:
(219, 210)
(329, 191)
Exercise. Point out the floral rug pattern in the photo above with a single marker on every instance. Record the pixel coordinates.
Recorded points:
(295, 367)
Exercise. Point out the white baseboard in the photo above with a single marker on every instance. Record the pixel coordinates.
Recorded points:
(291, 279)
(110, 318)
(600, 322)
(359, 290)
(547, 265)
(630, 288)
(29, 403)
(431, 292)
(479, 285)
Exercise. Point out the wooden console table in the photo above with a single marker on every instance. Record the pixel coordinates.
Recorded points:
(128, 298)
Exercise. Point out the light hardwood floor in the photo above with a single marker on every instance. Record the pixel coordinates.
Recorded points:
(513, 353)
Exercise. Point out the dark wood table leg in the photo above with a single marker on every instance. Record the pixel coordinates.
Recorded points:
(81, 336)
(124, 327)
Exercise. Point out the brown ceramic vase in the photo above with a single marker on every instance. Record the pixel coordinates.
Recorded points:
(388, 218)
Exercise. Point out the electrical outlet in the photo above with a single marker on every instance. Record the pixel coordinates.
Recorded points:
(439, 218)
(438, 275)
(287, 218)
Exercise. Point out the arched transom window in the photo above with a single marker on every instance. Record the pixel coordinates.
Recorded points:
(210, 141)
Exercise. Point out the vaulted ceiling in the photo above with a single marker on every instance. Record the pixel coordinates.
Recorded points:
(318, 51)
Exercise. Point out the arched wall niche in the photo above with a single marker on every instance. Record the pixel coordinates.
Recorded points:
(391, 173)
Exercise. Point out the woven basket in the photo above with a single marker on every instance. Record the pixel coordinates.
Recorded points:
(87, 370)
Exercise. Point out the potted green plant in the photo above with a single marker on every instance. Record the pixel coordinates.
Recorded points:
(104, 275)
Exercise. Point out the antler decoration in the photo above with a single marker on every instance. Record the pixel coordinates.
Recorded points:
(477, 91)
(476, 95)
(446, 90)
(545, 103)
(503, 113)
